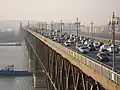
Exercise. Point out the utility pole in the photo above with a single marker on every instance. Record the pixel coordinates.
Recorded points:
(77, 23)
(113, 23)
(92, 23)
(61, 27)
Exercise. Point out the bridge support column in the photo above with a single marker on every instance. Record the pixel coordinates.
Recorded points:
(66, 73)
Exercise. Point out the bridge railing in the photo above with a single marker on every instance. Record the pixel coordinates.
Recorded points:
(105, 71)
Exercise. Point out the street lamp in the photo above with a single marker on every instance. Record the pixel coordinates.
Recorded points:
(61, 27)
(77, 23)
(113, 23)
(92, 23)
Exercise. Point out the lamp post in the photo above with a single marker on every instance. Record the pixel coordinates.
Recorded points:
(92, 23)
(61, 27)
(113, 23)
(77, 23)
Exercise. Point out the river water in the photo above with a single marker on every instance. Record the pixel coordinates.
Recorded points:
(14, 55)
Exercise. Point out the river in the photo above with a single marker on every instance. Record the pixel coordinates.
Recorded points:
(14, 55)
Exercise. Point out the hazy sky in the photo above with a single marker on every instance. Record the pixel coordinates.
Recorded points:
(67, 10)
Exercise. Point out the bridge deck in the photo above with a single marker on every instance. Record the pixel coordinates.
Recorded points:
(108, 84)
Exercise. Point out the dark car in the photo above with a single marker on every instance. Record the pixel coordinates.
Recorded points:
(103, 57)
(91, 47)
(105, 51)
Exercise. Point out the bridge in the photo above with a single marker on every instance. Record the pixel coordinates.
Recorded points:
(65, 69)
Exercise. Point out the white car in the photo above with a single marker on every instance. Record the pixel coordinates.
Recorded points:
(71, 41)
(110, 49)
(55, 38)
(66, 43)
(83, 49)
(79, 45)
(87, 42)
(96, 44)
(105, 46)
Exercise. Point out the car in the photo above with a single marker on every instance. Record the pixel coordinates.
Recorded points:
(105, 51)
(79, 45)
(81, 37)
(105, 46)
(55, 38)
(110, 49)
(91, 47)
(103, 57)
(72, 42)
(66, 43)
(96, 44)
(87, 42)
(83, 41)
(83, 49)
(62, 39)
